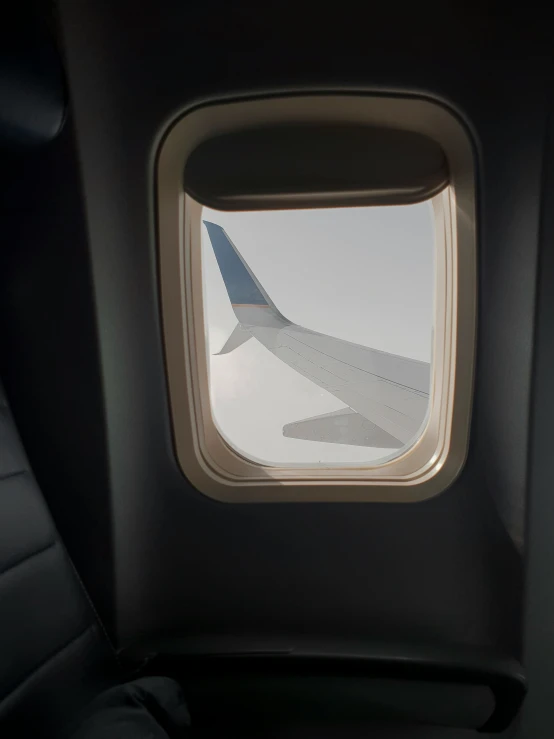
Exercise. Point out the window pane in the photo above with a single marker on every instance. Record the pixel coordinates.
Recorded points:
(319, 326)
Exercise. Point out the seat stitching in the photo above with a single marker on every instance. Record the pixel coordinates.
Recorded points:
(27, 557)
(30, 675)
(9, 475)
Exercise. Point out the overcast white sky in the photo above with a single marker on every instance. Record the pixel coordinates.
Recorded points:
(365, 275)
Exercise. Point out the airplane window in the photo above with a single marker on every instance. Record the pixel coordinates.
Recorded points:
(321, 349)
(319, 331)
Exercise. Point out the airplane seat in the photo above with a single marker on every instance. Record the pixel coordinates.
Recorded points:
(55, 656)
(58, 671)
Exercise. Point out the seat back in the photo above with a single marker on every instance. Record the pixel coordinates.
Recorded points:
(54, 655)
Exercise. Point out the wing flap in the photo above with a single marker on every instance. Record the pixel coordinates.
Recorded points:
(342, 427)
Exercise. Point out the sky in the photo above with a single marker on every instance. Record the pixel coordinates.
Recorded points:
(365, 275)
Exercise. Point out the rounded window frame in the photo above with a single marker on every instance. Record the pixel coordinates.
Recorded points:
(431, 464)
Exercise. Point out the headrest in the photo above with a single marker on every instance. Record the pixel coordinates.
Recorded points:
(32, 89)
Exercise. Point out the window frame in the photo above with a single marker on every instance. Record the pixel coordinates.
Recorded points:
(429, 465)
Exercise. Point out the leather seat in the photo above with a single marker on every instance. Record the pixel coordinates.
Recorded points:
(58, 671)
(55, 656)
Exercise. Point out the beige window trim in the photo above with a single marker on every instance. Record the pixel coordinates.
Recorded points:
(432, 463)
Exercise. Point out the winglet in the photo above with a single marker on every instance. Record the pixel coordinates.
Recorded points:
(242, 286)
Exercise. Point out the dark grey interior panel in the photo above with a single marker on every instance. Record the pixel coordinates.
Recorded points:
(445, 571)
(83, 332)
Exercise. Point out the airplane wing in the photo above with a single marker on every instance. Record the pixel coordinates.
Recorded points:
(386, 395)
